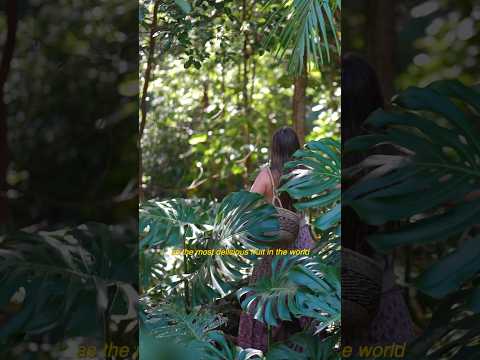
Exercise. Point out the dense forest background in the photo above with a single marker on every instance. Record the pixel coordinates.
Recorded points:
(215, 93)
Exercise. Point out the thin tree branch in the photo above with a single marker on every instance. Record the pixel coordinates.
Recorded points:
(148, 70)
(143, 101)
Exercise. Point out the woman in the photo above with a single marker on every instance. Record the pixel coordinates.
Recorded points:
(253, 333)
(361, 95)
(284, 144)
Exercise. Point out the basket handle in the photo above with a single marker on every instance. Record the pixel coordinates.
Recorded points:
(274, 190)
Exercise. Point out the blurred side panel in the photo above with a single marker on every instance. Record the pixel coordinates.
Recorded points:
(68, 178)
(411, 178)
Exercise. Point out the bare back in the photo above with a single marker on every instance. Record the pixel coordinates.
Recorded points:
(264, 184)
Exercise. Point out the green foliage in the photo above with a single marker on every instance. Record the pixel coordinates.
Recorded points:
(90, 53)
(434, 40)
(443, 166)
(168, 332)
(325, 116)
(307, 27)
(298, 286)
(184, 5)
(167, 223)
(241, 221)
(192, 330)
(206, 132)
(315, 179)
(312, 348)
(426, 187)
(69, 280)
(452, 332)
(183, 29)
(242, 217)
(208, 129)
(453, 271)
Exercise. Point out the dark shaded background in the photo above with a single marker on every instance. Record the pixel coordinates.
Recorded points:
(68, 145)
(413, 43)
(71, 98)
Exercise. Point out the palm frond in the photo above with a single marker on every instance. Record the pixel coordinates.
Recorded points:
(308, 27)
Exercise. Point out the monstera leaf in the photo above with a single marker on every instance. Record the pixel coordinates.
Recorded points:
(168, 222)
(298, 286)
(162, 226)
(314, 178)
(434, 131)
(59, 280)
(152, 269)
(243, 218)
(242, 222)
(428, 187)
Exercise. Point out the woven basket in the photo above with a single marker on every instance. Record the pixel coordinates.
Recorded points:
(289, 225)
(361, 290)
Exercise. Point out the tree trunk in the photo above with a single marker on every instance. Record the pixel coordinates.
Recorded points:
(7, 51)
(380, 42)
(245, 96)
(299, 103)
(143, 100)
